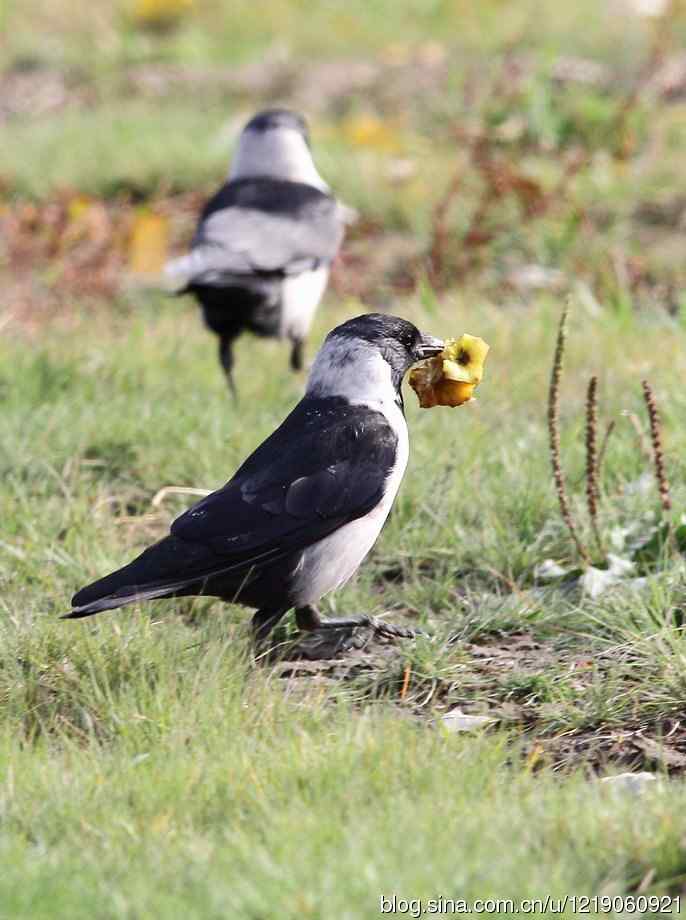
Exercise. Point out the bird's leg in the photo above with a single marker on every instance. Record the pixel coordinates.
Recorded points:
(226, 361)
(264, 621)
(308, 619)
(297, 355)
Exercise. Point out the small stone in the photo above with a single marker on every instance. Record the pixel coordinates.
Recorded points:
(630, 783)
(458, 721)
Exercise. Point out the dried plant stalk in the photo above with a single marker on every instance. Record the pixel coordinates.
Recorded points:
(406, 682)
(554, 433)
(592, 494)
(656, 440)
(603, 447)
(643, 445)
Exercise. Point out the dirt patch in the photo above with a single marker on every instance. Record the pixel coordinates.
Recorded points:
(504, 679)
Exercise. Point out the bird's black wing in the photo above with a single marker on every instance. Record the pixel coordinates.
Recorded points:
(326, 465)
(262, 227)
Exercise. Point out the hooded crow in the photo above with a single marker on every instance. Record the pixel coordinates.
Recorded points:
(302, 512)
(263, 246)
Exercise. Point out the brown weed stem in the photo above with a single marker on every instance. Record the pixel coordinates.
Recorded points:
(656, 440)
(592, 459)
(554, 433)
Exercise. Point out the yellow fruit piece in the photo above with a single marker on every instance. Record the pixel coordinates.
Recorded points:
(450, 378)
(463, 358)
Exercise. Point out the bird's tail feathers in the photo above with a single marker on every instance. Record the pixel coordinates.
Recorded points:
(155, 573)
(120, 599)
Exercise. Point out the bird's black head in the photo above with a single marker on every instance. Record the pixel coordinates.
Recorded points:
(354, 354)
(400, 342)
(275, 119)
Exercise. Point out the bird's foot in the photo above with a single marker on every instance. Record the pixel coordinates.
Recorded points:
(394, 631)
(323, 638)
(325, 644)
(309, 619)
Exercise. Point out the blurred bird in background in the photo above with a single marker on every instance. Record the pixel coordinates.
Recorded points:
(264, 244)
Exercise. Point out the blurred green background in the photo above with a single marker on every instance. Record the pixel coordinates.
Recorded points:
(518, 146)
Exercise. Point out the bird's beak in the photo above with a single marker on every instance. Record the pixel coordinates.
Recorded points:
(430, 346)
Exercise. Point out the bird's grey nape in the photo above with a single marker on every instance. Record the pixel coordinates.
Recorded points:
(351, 347)
(276, 144)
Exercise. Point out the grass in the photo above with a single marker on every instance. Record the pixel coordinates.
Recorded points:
(119, 150)
(139, 747)
(225, 813)
(147, 764)
(98, 42)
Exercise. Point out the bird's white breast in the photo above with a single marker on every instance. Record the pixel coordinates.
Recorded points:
(328, 564)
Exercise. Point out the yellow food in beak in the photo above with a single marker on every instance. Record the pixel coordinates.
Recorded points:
(450, 378)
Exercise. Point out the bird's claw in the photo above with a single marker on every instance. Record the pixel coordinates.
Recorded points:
(391, 631)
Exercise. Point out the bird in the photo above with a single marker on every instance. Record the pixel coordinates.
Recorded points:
(264, 243)
(304, 509)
